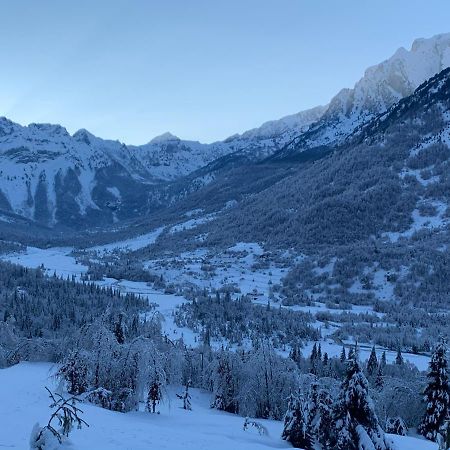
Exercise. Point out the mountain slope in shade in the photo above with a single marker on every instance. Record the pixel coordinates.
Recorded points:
(391, 182)
(381, 86)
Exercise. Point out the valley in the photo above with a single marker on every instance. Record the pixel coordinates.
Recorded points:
(295, 276)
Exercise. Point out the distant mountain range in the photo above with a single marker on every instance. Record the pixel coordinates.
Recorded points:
(55, 179)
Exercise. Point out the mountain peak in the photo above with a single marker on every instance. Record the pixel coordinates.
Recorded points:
(83, 135)
(381, 86)
(165, 137)
(50, 128)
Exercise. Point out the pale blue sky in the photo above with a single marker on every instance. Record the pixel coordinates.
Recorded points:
(202, 69)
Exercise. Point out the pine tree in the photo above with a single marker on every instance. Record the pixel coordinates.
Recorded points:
(343, 356)
(351, 353)
(224, 382)
(399, 357)
(372, 363)
(119, 330)
(315, 359)
(355, 420)
(295, 428)
(294, 354)
(379, 380)
(436, 395)
(313, 355)
(383, 361)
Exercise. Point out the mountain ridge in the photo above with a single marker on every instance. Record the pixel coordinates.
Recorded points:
(56, 178)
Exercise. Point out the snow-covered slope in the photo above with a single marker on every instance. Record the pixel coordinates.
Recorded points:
(23, 386)
(381, 86)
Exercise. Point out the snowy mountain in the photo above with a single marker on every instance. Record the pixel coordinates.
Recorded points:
(381, 86)
(262, 142)
(167, 157)
(51, 177)
(54, 178)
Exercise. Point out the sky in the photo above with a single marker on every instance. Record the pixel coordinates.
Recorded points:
(201, 69)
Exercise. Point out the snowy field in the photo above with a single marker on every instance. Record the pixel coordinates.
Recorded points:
(173, 429)
(129, 244)
(235, 266)
(55, 260)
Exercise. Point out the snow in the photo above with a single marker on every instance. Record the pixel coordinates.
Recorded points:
(191, 223)
(234, 266)
(131, 244)
(174, 428)
(422, 222)
(412, 443)
(25, 402)
(55, 259)
(417, 174)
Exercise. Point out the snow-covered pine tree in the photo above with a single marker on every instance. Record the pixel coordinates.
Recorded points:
(351, 353)
(396, 425)
(372, 363)
(74, 371)
(355, 420)
(313, 355)
(295, 353)
(226, 367)
(295, 429)
(436, 395)
(319, 415)
(325, 365)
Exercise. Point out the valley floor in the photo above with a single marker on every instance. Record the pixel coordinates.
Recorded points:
(238, 270)
(25, 402)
